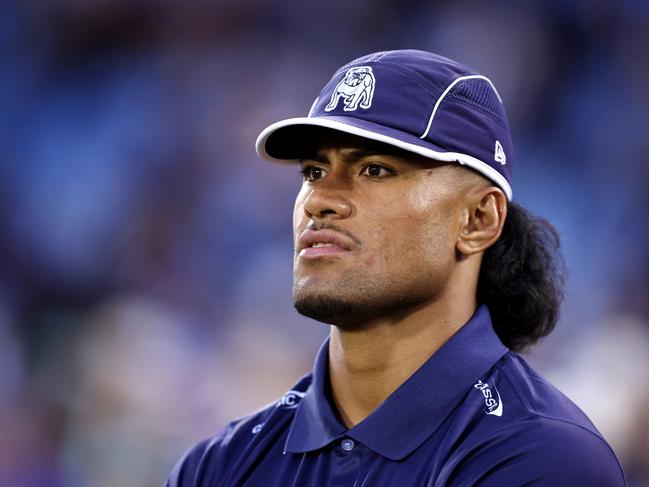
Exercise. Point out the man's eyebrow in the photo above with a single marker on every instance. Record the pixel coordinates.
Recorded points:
(317, 157)
(357, 154)
(347, 156)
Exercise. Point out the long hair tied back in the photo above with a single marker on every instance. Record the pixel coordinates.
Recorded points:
(521, 279)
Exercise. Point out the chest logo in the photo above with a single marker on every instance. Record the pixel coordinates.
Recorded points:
(290, 400)
(356, 90)
(493, 403)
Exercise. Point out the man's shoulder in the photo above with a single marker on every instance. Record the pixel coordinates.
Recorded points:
(538, 451)
(537, 407)
(213, 457)
(533, 396)
(526, 430)
(514, 396)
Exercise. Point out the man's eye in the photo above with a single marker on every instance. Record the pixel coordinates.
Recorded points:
(376, 171)
(312, 173)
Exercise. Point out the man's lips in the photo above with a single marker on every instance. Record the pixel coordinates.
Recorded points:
(315, 243)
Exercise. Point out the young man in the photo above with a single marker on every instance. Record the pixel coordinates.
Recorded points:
(408, 244)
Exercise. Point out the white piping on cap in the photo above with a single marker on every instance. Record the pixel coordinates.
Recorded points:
(459, 157)
(448, 89)
(313, 105)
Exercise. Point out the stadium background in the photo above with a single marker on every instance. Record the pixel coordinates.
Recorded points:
(145, 252)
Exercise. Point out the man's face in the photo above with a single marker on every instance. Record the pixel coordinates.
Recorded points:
(375, 230)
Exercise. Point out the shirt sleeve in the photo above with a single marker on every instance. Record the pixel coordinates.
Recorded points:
(185, 472)
(203, 464)
(540, 452)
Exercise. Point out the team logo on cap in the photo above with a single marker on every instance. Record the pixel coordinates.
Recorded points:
(356, 89)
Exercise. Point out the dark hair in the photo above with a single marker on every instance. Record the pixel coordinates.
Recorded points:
(521, 279)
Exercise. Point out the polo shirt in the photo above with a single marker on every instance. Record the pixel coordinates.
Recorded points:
(475, 413)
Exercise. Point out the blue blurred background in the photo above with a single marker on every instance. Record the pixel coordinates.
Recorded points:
(145, 251)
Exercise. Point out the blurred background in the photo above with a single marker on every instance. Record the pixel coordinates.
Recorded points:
(145, 251)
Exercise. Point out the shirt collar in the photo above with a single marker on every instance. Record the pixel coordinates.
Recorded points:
(413, 412)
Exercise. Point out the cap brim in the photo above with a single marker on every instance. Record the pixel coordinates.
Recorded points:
(289, 140)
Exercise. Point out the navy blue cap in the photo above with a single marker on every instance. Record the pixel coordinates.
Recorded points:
(415, 100)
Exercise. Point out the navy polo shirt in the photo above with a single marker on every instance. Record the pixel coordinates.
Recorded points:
(473, 414)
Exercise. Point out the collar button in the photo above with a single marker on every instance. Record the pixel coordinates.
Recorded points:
(347, 444)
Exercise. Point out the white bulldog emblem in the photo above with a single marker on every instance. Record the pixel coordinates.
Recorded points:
(356, 89)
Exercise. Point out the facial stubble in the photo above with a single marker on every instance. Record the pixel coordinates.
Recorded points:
(352, 300)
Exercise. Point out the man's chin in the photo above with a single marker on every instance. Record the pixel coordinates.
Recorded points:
(353, 312)
(333, 311)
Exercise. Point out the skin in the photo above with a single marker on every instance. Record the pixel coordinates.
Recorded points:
(419, 229)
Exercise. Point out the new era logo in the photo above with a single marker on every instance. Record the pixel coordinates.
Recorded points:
(499, 153)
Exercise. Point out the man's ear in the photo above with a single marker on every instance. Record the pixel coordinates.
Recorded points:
(483, 219)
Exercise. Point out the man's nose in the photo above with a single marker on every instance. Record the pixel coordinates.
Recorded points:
(327, 201)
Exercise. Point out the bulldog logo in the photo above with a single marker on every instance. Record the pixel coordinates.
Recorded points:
(356, 89)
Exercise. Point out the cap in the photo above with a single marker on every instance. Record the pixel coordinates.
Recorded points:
(415, 100)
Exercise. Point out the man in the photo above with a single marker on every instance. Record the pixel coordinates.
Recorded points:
(408, 244)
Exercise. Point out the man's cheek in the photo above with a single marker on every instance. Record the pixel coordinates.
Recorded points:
(368, 260)
(298, 220)
(378, 248)
(298, 207)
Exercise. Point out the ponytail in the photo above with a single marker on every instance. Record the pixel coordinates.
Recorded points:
(521, 279)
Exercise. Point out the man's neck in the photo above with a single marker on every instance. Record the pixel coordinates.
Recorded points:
(368, 364)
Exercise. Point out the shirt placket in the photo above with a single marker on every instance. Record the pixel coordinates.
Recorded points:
(346, 463)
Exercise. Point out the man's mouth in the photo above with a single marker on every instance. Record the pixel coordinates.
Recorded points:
(317, 243)
(320, 250)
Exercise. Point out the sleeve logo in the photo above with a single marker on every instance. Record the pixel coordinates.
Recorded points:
(493, 405)
(290, 400)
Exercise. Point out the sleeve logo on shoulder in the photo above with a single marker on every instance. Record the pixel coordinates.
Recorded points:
(290, 400)
(493, 404)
